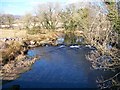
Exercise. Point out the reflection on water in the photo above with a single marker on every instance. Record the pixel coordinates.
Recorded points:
(59, 67)
(70, 39)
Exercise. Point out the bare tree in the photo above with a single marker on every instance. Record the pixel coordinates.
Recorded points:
(7, 19)
(48, 16)
(27, 21)
(104, 37)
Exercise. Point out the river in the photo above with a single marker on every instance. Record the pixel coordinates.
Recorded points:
(59, 67)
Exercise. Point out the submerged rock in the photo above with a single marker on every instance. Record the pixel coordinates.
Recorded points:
(60, 41)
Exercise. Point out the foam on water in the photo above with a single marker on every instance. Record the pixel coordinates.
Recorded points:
(74, 46)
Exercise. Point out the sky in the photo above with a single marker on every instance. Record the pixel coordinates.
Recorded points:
(20, 7)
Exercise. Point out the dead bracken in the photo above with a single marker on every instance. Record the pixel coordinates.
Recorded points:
(11, 70)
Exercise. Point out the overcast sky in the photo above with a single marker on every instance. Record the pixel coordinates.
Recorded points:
(20, 7)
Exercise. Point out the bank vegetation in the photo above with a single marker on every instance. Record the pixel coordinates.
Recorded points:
(99, 26)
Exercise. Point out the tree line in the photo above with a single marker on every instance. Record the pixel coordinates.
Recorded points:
(100, 25)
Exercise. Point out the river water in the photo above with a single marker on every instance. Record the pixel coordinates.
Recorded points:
(59, 67)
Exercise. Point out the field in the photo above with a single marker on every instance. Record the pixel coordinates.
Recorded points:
(12, 33)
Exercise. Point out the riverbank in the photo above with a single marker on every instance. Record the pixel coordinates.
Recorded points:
(14, 59)
(13, 69)
(14, 50)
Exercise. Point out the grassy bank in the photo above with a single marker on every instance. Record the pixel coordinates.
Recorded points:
(14, 59)
(12, 33)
